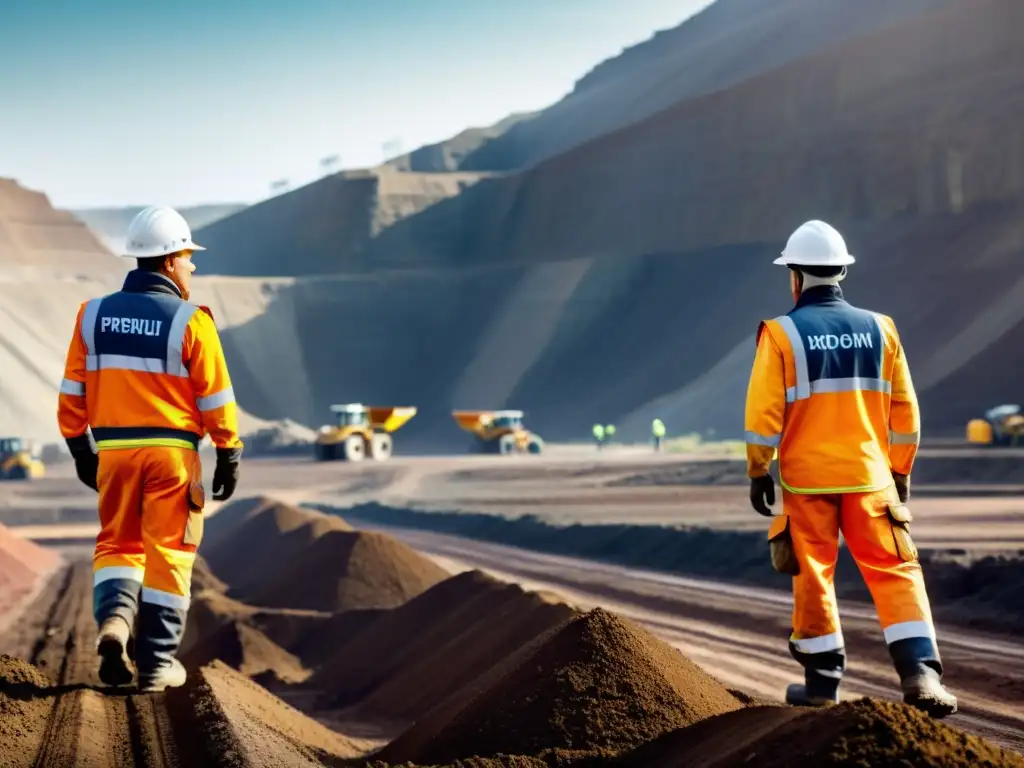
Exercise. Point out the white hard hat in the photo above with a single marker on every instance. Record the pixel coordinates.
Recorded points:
(815, 244)
(158, 231)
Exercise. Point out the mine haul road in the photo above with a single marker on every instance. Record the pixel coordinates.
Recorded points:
(739, 633)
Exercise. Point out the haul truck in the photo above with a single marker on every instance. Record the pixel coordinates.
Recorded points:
(1002, 425)
(360, 431)
(19, 460)
(499, 431)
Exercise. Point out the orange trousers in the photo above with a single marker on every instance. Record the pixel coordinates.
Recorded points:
(151, 526)
(896, 582)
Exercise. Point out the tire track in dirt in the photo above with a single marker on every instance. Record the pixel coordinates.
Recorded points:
(89, 725)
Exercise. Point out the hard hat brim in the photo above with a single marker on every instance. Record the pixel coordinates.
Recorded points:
(190, 246)
(842, 261)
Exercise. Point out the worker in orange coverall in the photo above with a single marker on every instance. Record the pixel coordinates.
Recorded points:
(830, 389)
(146, 372)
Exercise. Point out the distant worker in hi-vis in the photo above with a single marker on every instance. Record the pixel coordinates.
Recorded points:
(658, 433)
(831, 390)
(146, 372)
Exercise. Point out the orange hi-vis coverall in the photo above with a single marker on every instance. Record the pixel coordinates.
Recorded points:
(146, 372)
(830, 389)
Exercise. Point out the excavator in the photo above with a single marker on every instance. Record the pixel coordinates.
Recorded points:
(499, 431)
(1000, 426)
(19, 460)
(360, 431)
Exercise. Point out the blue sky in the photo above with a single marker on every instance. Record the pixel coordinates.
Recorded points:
(117, 102)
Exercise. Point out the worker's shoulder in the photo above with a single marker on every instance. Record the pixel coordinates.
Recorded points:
(202, 318)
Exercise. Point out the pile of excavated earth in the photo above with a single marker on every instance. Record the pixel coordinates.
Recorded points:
(392, 661)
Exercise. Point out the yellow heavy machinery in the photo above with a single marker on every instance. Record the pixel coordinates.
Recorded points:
(1002, 425)
(360, 431)
(499, 431)
(19, 460)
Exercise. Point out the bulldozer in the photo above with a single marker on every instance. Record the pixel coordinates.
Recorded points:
(1002, 425)
(360, 431)
(499, 431)
(19, 460)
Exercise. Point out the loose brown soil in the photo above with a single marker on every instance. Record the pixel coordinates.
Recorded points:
(598, 683)
(344, 570)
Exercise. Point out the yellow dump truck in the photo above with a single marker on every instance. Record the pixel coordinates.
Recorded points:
(19, 460)
(1002, 425)
(360, 431)
(499, 431)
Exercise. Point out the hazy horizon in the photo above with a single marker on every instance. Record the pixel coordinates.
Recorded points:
(182, 103)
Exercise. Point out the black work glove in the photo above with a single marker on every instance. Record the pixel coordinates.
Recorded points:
(87, 463)
(762, 489)
(902, 486)
(225, 476)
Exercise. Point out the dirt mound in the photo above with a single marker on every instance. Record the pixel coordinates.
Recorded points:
(866, 732)
(598, 683)
(24, 707)
(322, 643)
(407, 660)
(240, 723)
(23, 564)
(343, 570)
(208, 612)
(256, 544)
(247, 650)
(204, 580)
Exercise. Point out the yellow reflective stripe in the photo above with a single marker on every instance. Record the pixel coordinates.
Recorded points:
(143, 442)
(849, 489)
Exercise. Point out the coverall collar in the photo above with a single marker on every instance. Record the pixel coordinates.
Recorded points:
(820, 294)
(141, 281)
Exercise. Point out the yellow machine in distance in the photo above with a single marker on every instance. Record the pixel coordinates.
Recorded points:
(19, 460)
(1002, 425)
(499, 431)
(360, 431)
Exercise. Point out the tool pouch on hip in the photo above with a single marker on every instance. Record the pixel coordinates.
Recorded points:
(196, 502)
(780, 543)
(900, 518)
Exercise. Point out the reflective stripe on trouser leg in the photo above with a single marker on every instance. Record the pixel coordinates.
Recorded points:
(119, 558)
(167, 585)
(115, 592)
(897, 587)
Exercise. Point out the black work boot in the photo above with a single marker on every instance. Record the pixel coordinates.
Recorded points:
(160, 632)
(918, 664)
(823, 672)
(115, 603)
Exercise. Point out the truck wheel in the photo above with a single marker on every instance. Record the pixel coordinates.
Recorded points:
(380, 446)
(507, 444)
(353, 448)
(536, 445)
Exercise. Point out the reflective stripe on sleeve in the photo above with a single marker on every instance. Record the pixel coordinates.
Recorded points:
(753, 438)
(72, 387)
(216, 400)
(904, 438)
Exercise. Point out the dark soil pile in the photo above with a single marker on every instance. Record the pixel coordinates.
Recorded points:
(321, 644)
(343, 570)
(203, 579)
(238, 723)
(24, 708)
(254, 549)
(873, 732)
(415, 655)
(247, 650)
(597, 684)
(207, 613)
